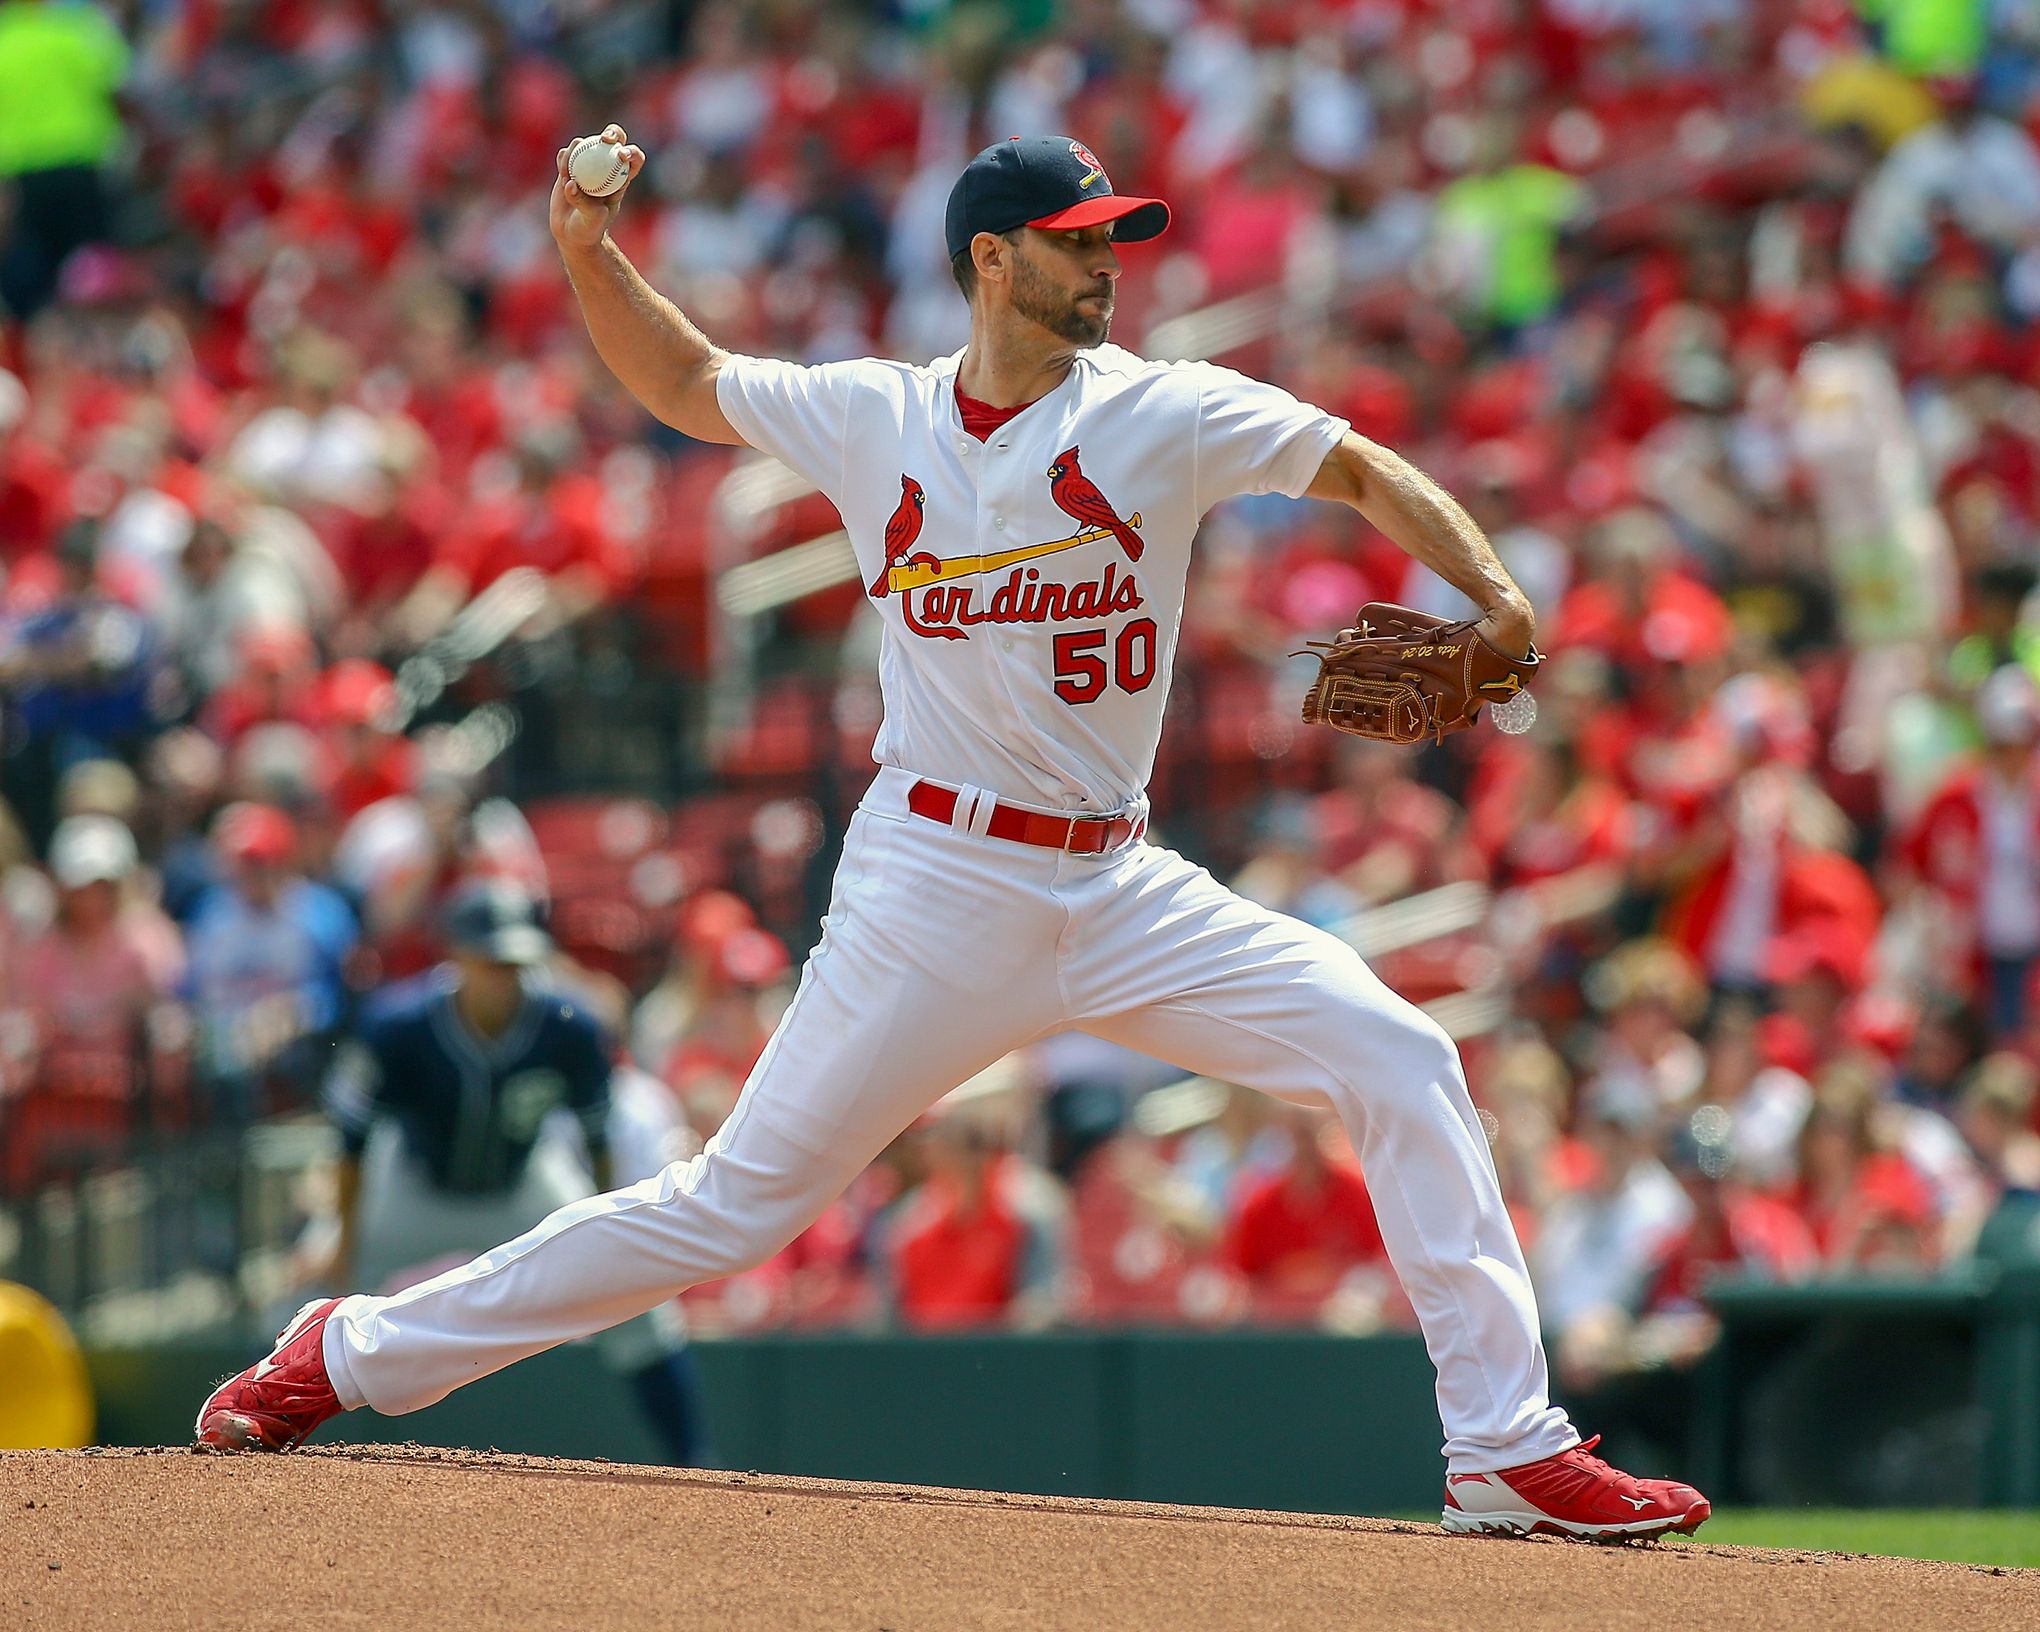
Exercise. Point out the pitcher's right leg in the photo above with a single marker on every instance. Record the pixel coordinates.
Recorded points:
(598, 1262)
(936, 959)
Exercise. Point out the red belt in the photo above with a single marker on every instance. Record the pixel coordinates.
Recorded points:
(1079, 835)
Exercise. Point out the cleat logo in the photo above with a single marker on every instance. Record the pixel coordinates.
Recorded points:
(1637, 1502)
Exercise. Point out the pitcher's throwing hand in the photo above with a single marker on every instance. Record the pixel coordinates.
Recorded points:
(580, 219)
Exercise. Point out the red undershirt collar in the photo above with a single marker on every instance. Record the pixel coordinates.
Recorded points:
(981, 418)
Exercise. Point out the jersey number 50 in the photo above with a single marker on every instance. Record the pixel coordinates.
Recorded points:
(1080, 672)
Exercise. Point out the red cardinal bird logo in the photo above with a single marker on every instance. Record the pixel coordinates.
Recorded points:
(1089, 161)
(1076, 496)
(901, 531)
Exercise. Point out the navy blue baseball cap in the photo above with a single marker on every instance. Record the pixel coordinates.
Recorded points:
(1043, 181)
(496, 921)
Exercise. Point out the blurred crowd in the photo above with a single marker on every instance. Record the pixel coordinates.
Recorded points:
(1718, 314)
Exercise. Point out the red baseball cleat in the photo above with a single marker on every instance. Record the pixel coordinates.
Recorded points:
(276, 1403)
(1572, 1494)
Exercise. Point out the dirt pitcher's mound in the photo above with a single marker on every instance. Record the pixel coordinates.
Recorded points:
(425, 1538)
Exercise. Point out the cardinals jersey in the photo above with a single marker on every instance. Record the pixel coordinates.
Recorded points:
(1031, 586)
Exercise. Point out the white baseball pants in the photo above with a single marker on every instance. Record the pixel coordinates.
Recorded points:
(407, 1222)
(942, 952)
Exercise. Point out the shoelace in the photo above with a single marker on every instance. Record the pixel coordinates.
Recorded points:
(283, 1394)
(1593, 1470)
(286, 1389)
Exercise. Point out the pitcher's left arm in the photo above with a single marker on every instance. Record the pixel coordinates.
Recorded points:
(1426, 522)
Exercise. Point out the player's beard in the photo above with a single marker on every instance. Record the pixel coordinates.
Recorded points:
(1041, 301)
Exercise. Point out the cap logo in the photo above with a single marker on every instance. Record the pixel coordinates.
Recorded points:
(1089, 160)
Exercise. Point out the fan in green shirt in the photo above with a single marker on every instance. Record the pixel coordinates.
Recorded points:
(61, 66)
(1517, 211)
(1930, 36)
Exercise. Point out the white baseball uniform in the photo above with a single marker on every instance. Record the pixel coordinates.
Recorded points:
(1031, 587)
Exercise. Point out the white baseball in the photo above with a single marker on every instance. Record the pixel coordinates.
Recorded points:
(1515, 716)
(597, 167)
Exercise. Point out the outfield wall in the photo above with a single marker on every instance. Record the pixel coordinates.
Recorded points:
(1281, 1420)
(1867, 1394)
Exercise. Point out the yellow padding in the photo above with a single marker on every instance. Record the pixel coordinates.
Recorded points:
(45, 1396)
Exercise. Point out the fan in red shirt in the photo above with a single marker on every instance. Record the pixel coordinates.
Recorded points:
(382, 543)
(1542, 817)
(1636, 603)
(1385, 834)
(978, 1241)
(1555, 837)
(703, 1025)
(357, 700)
(1763, 860)
(1865, 1204)
(1976, 847)
(958, 1253)
(1734, 1229)
(275, 685)
(550, 520)
(34, 479)
(1298, 1234)
(725, 1014)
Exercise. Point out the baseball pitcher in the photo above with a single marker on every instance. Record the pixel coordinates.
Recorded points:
(1022, 514)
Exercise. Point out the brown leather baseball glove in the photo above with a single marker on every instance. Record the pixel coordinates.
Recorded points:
(1405, 676)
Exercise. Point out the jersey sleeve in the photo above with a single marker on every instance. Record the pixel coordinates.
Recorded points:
(586, 1065)
(1253, 437)
(798, 414)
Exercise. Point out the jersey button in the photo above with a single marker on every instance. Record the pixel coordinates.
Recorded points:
(999, 522)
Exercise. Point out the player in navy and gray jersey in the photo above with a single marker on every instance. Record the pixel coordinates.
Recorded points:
(471, 1107)
(447, 1101)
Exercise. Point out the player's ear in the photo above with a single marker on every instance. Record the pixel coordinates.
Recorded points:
(992, 255)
